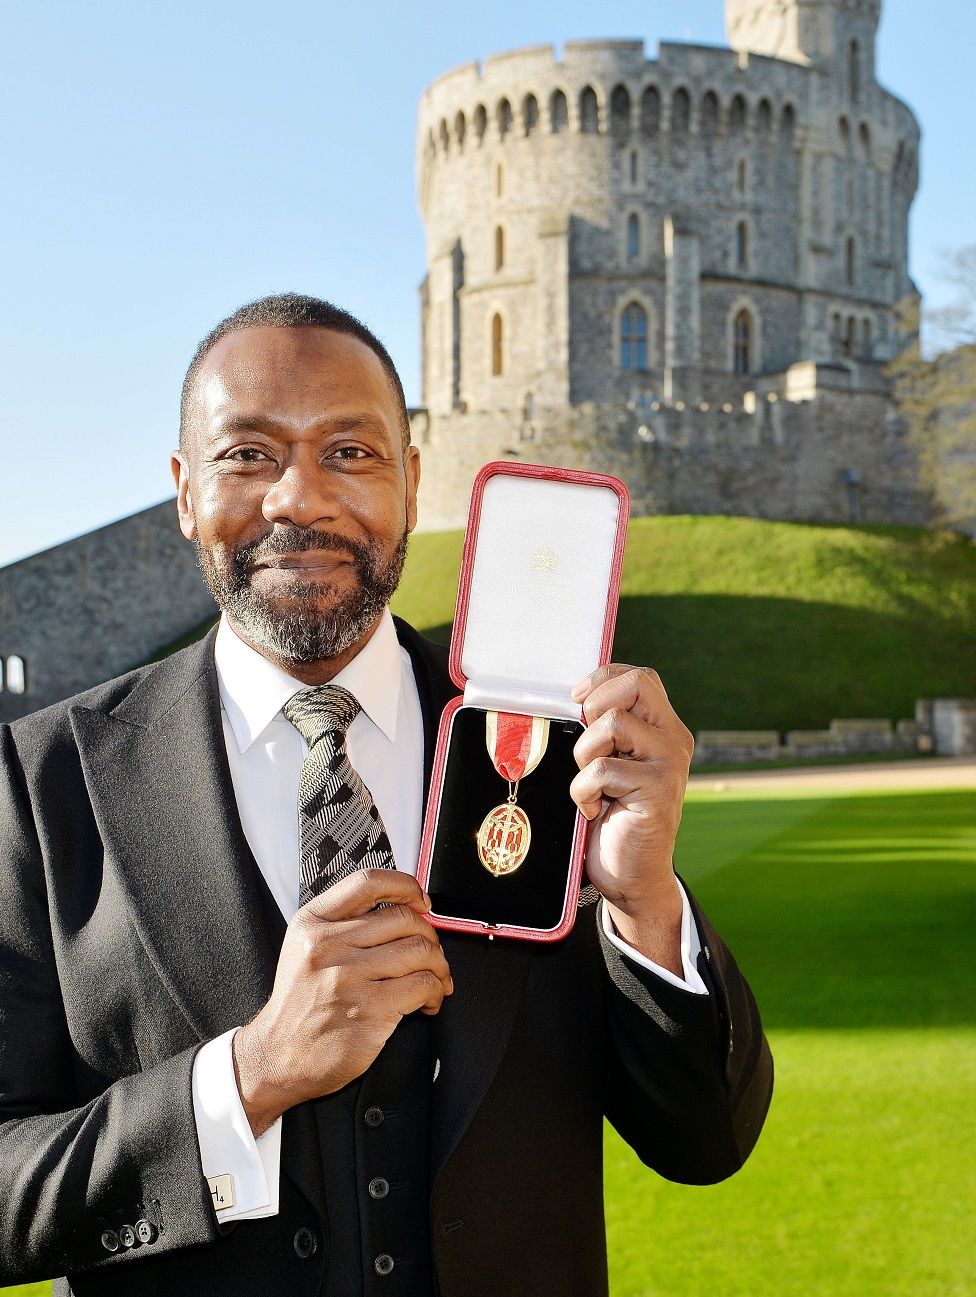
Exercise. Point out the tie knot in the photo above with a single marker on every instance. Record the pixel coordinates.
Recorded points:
(323, 709)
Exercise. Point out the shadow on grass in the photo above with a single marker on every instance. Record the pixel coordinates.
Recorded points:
(742, 662)
(859, 913)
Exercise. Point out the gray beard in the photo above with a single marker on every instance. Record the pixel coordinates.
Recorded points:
(290, 628)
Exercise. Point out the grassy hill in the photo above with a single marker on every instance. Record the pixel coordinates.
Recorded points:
(756, 624)
(767, 625)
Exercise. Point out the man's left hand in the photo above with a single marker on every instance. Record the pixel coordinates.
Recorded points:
(634, 757)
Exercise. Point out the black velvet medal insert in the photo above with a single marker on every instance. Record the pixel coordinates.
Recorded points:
(459, 885)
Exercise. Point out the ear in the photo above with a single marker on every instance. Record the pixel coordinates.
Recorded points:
(184, 505)
(412, 469)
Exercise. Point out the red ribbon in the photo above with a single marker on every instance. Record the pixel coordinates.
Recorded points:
(513, 739)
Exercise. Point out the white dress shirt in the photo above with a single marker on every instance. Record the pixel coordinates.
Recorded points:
(265, 753)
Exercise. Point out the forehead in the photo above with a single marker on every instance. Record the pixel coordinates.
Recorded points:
(291, 372)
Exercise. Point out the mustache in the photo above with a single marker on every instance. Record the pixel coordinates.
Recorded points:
(296, 540)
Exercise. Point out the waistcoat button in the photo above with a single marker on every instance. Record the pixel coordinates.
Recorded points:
(110, 1241)
(127, 1236)
(145, 1232)
(305, 1243)
(373, 1117)
(379, 1187)
(383, 1263)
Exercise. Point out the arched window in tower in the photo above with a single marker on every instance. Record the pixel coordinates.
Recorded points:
(742, 343)
(680, 111)
(480, 122)
(499, 247)
(789, 123)
(530, 114)
(620, 111)
(633, 166)
(867, 342)
(558, 112)
(459, 129)
(844, 136)
(864, 135)
(589, 111)
(854, 70)
(741, 176)
(764, 118)
(836, 335)
(850, 262)
(850, 338)
(633, 337)
(499, 180)
(504, 116)
(633, 237)
(737, 115)
(651, 110)
(15, 675)
(445, 136)
(742, 245)
(709, 114)
(497, 357)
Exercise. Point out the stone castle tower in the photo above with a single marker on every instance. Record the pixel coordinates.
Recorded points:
(684, 270)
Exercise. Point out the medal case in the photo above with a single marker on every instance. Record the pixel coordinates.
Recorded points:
(537, 603)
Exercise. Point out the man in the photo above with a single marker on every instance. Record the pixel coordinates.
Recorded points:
(234, 1055)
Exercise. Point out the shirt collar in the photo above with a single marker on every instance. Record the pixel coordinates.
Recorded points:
(253, 690)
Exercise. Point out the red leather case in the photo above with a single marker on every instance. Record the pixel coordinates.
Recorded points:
(537, 619)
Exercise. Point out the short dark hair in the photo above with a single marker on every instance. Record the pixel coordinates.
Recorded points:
(289, 311)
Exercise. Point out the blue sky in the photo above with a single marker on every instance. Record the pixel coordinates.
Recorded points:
(162, 164)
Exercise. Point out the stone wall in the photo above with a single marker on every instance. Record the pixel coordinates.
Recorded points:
(944, 726)
(97, 606)
(799, 446)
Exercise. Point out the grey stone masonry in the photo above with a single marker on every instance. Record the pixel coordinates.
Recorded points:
(608, 232)
(87, 610)
(945, 726)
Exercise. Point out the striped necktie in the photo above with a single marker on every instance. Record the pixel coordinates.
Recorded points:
(340, 825)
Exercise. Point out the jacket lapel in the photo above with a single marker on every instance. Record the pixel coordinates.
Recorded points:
(470, 1034)
(158, 778)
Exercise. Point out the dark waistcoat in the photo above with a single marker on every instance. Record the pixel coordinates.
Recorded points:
(375, 1137)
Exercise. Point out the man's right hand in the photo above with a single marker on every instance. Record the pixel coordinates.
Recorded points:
(347, 973)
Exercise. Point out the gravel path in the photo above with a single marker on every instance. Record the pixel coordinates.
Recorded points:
(932, 772)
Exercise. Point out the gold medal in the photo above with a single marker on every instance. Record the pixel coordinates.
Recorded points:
(516, 745)
(504, 838)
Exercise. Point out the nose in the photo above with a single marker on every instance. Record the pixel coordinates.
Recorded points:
(304, 493)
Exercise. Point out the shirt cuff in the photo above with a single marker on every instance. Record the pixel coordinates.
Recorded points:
(690, 949)
(242, 1171)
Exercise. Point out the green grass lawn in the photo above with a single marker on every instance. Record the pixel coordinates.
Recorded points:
(853, 917)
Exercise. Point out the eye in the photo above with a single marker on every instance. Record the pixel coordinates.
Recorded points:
(350, 453)
(247, 455)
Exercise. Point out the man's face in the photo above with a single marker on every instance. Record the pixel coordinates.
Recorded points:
(295, 488)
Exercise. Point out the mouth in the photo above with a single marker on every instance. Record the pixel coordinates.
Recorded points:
(309, 564)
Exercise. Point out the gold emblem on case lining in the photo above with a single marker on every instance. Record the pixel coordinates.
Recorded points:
(504, 837)
(545, 560)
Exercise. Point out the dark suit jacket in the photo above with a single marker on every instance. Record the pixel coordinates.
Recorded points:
(134, 926)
